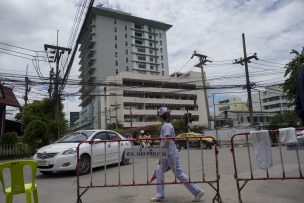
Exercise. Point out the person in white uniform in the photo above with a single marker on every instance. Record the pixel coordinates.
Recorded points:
(172, 161)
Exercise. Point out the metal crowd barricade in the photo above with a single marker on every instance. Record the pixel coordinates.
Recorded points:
(242, 181)
(213, 182)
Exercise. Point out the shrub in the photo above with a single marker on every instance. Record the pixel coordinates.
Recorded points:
(10, 138)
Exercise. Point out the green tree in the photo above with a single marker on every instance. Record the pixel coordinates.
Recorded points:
(291, 72)
(229, 122)
(284, 119)
(199, 128)
(10, 138)
(39, 123)
(179, 126)
(115, 127)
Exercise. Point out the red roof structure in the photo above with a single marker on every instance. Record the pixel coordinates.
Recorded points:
(7, 97)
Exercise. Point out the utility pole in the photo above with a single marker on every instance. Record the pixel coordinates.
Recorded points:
(105, 113)
(116, 107)
(58, 51)
(52, 74)
(203, 60)
(261, 107)
(188, 119)
(27, 89)
(245, 61)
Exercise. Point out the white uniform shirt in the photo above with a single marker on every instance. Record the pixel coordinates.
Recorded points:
(168, 130)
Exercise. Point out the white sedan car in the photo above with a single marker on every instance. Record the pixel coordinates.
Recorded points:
(62, 155)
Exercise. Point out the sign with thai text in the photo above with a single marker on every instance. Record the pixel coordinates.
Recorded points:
(143, 153)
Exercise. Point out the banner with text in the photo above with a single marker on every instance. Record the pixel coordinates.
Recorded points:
(143, 153)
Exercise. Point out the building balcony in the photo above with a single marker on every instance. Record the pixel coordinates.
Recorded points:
(88, 70)
(143, 38)
(88, 53)
(142, 30)
(143, 46)
(144, 54)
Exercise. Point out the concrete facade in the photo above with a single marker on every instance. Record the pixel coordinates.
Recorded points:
(134, 98)
(231, 104)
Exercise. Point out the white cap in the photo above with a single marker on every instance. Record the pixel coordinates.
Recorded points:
(162, 110)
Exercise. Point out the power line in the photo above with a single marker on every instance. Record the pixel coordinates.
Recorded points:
(19, 47)
(15, 55)
(267, 61)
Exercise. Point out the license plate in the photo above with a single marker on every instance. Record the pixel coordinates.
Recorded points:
(42, 163)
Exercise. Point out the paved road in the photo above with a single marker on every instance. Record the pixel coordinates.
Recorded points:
(61, 187)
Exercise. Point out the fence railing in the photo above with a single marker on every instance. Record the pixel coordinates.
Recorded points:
(102, 149)
(277, 172)
(14, 151)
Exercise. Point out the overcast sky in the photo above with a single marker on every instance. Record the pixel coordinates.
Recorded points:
(212, 27)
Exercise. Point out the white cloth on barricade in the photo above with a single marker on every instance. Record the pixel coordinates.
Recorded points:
(288, 135)
(262, 148)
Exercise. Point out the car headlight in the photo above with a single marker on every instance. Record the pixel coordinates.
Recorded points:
(70, 151)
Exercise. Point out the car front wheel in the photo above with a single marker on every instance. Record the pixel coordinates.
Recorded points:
(124, 161)
(84, 164)
(204, 145)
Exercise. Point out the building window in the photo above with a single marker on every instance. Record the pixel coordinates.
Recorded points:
(150, 36)
(138, 34)
(116, 71)
(151, 67)
(151, 51)
(160, 42)
(159, 35)
(161, 57)
(127, 51)
(136, 26)
(141, 58)
(126, 35)
(116, 63)
(127, 68)
(115, 46)
(151, 59)
(127, 60)
(143, 66)
(162, 65)
(156, 68)
(161, 50)
(115, 37)
(126, 43)
(115, 29)
(163, 73)
(116, 54)
(150, 29)
(151, 44)
(126, 27)
(115, 21)
(142, 50)
(140, 42)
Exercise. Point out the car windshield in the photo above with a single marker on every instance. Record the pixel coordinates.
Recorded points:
(76, 137)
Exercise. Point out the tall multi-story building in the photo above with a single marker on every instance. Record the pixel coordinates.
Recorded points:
(116, 42)
(131, 99)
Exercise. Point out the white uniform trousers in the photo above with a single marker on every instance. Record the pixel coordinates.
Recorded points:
(180, 175)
